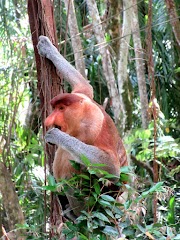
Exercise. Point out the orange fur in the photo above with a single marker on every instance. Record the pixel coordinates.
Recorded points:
(81, 117)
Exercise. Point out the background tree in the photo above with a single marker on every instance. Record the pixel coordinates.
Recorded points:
(75, 37)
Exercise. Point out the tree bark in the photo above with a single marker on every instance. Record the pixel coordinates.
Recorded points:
(106, 60)
(75, 37)
(115, 25)
(173, 19)
(139, 55)
(123, 78)
(41, 19)
(11, 203)
(1, 232)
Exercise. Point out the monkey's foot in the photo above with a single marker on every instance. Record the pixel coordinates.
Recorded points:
(46, 48)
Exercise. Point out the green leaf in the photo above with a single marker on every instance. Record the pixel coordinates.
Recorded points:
(91, 201)
(147, 133)
(107, 198)
(171, 213)
(144, 194)
(51, 180)
(95, 195)
(172, 202)
(104, 203)
(126, 169)
(111, 231)
(50, 188)
(82, 237)
(81, 218)
(92, 171)
(72, 226)
(156, 187)
(116, 210)
(98, 165)
(109, 212)
(75, 165)
(124, 177)
(97, 188)
(100, 216)
(84, 176)
(110, 176)
(70, 236)
(85, 213)
(22, 226)
(85, 160)
(143, 230)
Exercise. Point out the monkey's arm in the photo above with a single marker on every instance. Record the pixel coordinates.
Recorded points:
(77, 81)
(77, 148)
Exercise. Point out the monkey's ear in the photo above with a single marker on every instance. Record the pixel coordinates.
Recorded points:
(66, 99)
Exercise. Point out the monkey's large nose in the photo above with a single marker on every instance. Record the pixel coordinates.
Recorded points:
(49, 121)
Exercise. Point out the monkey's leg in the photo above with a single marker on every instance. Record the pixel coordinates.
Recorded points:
(77, 148)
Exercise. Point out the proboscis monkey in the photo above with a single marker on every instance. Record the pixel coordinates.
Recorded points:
(80, 125)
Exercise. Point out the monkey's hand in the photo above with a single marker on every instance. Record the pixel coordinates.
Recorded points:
(77, 148)
(51, 136)
(46, 48)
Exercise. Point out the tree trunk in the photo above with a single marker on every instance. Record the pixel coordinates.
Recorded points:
(139, 55)
(75, 37)
(11, 203)
(174, 19)
(41, 19)
(115, 25)
(123, 78)
(151, 77)
(105, 58)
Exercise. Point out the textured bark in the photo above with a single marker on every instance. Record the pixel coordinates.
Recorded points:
(174, 19)
(75, 37)
(115, 25)
(123, 78)
(106, 60)
(1, 232)
(139, 65)
(41, 19)
(11, 203)
(153, 101)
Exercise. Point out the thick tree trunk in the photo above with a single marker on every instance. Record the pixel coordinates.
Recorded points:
(123, 78)
(11, 203)
(106, 60)
(75, 37)
(139, 64)
(174, 19)
(41, 19)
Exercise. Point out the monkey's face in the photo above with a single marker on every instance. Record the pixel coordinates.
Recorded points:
(67, 114)
(56, 118)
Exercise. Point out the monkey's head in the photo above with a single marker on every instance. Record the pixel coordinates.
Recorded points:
(67, 113)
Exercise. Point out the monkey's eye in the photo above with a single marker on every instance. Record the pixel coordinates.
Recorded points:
(61, 108)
